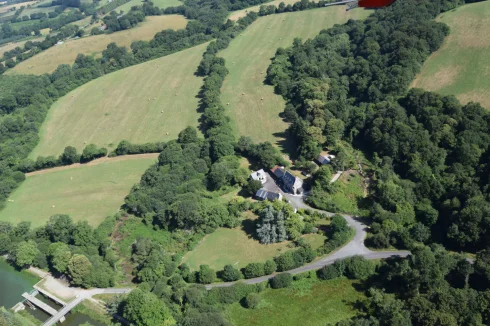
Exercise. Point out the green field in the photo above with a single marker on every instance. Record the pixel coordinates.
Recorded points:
(127, 104)
(159, 3)
(89, 192)
(248, 57)
(318, 304)
(235, 246)
(461, 67)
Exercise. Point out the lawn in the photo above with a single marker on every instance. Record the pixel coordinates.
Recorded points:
(326, 302)
(237, 247)
(127, 104)
(66, 53)
(256, 112)
(461, 67)
(88, 192)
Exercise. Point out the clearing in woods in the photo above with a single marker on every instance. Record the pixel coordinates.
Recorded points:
(66, 53)
(158, 3)
(256, 112)
(461, 66)
(127, 105)
(305, 302)
(87, 192)
(237, 247)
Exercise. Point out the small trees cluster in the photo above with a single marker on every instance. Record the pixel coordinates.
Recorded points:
(270, 226)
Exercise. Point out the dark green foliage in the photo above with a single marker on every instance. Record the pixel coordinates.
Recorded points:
(206, 275)
(282, 280)
(270, 226)
(252, 186)
(230, 274)
(270, 267)
(328, 272)
(91, 152)
(143, 308)
(264, 154)
(252, 300)
(358, 267)
(254, 270)
(69, 156)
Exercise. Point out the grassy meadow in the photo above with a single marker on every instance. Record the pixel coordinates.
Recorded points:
(237, 247)
(89, 192)
(158, 3)
(308, 302)
(10, 46)
(256, 113)
(127, 104)
(235, 15)
(461, 66)
(66, 53)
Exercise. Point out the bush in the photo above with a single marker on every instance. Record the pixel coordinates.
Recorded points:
(252, 300)
(328, 272)
(358, 267)
(206, 275)
(282, 280)
(270, 267)
(254, 270)
(230, 274)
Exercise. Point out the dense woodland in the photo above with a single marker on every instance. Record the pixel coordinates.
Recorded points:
(430, 152)
(346, 87)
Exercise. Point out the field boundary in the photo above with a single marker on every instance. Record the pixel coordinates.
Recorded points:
(94, 162)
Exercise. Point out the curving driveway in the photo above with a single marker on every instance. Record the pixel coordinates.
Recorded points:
(352, 248)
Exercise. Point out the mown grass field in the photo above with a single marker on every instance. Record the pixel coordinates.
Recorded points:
(127, 104)
(235, 15)
(237, 247)
(248, 57)
(6, 8)
(88, 192)
(66, 53)
(462, 66)
(316, 304)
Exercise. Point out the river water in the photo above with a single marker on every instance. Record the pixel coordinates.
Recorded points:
(13, 283)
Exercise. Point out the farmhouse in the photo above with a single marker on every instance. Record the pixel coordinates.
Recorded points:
(325, 158)
(259, 175)
(289, 182)
(263, 194)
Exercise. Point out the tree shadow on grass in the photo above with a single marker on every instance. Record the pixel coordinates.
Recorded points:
(286, 144)
(248, 226)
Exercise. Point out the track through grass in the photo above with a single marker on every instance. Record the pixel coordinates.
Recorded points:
(256, 113)
(85, 193)
(127, 104)
(461, 66)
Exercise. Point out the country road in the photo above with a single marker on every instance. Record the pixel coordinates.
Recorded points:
(352, 248)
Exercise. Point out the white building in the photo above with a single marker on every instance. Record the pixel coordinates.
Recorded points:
(259, 175)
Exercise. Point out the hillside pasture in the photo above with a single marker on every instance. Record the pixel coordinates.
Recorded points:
(235, 15)
(253, 106)
(158, 3)
(89, 192)
(17, 6)
(461, 66)
(308, 302)
(149, 102)
(66, 53)
(10, 46)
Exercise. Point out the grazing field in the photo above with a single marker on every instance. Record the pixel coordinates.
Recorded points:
(237, 247)
(158, 3)
(248, 58)
(16, 5)
(89, 192)
(235, 15)
(127, 104)
(10, 46)
(66, 53)
(311, 303)
(461, 66)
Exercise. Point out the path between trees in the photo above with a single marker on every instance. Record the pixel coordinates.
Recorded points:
(95, 162)
(352, 248)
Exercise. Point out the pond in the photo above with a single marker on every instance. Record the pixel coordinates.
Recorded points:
(13, 283)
